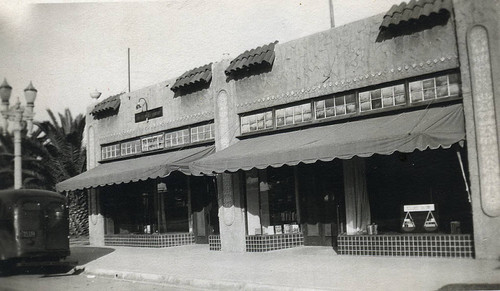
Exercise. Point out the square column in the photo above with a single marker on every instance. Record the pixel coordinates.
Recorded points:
(96, 219)
(231, 213)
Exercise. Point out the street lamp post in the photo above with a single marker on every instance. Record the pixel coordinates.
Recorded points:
(15, 115)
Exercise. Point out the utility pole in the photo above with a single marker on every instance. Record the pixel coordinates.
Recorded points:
(332, 19)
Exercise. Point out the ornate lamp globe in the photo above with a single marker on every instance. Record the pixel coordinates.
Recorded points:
(5, 91)
(95, 94)
(30, 93)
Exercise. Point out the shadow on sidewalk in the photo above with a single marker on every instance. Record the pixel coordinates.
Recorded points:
(85, 255)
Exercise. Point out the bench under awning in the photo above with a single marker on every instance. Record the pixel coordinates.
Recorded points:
(136, 169)
(404, 132)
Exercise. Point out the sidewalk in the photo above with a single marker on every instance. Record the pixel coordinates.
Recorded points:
(303, 268)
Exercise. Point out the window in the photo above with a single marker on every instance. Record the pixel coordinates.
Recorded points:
(342, 104)
(335, 106)
(177, 138)
(202, 132)
(111, 151)
(434, 88)
(293, 115)
(256, 122)
(152, 143)
(130, 147)
(382, 97)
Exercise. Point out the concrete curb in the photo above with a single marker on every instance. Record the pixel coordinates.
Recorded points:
(180, 281)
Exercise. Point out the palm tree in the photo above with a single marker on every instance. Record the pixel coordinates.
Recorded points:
(36, 174)
(66, 158)
(63, 142)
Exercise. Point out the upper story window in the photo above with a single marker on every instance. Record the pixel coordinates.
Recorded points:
(293, 114)
(176, 138)
(434, 88)
(202, 132)
(334, 106)
(151, 143)
(258, 121)
(357, 102)
(111, 151)
(382, 97)
(159, 141)
(130, 147)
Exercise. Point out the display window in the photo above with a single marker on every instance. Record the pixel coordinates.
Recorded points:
(419, 192)
(162, 205)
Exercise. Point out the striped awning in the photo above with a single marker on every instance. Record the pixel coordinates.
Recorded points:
(415, 11)
(136, 169)
(432, 128)
(261, 56)
(107, 107)
(197, 76)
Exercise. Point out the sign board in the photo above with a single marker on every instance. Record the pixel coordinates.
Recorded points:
(150, 114)
(418, 208)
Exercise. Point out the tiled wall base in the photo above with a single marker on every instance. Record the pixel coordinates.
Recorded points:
(418, 245)
(149, 240)
(214, 242)
(264, 243)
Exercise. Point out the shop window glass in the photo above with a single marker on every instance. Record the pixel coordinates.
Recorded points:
(130, 147)
(282, 204)
(435, 88)
(293, 115)
(256, 122)
(335, 106)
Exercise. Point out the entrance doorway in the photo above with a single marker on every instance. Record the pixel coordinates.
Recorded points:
(321, 196)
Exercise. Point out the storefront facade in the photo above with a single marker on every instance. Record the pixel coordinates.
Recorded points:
(387, 125)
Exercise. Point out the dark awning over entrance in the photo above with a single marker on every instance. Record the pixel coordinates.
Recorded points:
(421, 129)
(133, 170)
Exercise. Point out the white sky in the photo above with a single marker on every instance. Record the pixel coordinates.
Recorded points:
(68, 49)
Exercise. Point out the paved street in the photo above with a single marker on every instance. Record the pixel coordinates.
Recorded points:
(50, 281)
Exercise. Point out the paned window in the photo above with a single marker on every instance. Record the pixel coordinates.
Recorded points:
(434, 88)
(111, 151)
(152, 143)
(335, 106)
(293, 114)
(382, 97)
(177, 138)
(256, 122)
(130, 147)
(203, 132)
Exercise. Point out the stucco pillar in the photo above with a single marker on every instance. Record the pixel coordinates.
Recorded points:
(231, 213)
(230, 185)
(96, 219)
(478, 35)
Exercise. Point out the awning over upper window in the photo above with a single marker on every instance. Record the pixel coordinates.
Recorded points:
(133, 170)
(197, 76)
(415, 11)
(107, 107)
(405, 132)
(261, 56)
